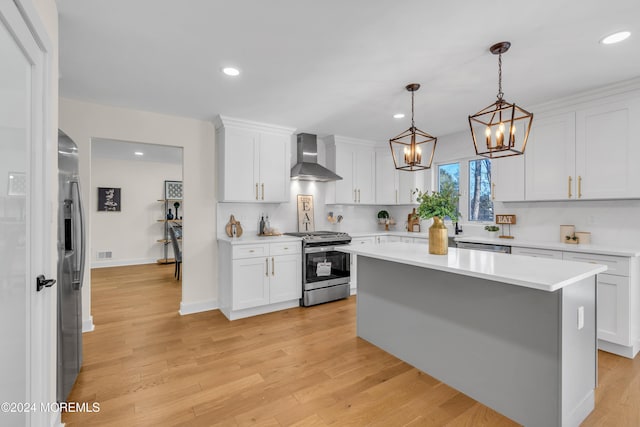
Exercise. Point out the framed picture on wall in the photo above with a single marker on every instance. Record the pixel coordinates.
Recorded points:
(108, 199)
(173, 190)
(305, 213)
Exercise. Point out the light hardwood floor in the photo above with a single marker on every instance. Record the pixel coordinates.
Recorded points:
(147, 365)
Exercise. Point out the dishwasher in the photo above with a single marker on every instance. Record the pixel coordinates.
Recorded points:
(488, 247)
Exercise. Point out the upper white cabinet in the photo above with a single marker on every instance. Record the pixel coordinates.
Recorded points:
(587, 154)
(355, 163)
(253, 161)
(507, 179)
(607, 151)
(395, 187)
(550, 158)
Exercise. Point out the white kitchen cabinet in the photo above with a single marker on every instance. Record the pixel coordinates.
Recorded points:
(537, 253)
(396, 187)
(587, 154)
(607, 151)
(251, 280)
(388, 239)
(618, 310)
(253, 161)
(257, 278)
(507, 179)
(355, 163)
(550, 158)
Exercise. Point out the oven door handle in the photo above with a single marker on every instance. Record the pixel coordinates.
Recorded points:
(318, 249)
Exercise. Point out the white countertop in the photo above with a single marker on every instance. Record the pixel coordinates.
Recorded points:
(246, 239)
(537, 273)
(558, 246)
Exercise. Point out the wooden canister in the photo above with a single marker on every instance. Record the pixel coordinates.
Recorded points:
(566, 230)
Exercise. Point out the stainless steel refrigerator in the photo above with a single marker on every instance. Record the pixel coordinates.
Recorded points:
(71, 256)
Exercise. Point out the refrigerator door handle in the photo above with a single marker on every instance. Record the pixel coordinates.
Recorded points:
(79, 259)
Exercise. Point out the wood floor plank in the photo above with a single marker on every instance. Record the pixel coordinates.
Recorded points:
(148, 366)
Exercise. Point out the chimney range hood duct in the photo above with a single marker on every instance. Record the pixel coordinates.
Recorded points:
(307, 168)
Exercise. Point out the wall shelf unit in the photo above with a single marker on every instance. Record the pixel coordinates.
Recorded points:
(166, 240)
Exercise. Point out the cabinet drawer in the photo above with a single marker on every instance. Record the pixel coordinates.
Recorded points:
(285, 248)
(250, 251)
(618, 266)
(362, 240)
(538, 253)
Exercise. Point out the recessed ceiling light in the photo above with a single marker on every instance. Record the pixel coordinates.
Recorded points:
(398, 116)
(139, 153)
(230, 71)
(616, 37)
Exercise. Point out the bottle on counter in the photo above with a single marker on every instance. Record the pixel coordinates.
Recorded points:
(261, 225)
(267, 225)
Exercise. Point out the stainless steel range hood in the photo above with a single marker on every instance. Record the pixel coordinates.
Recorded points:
(307, 168)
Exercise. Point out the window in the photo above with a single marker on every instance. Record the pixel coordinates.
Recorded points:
(480, 204)
(449, 178)
(475, 199)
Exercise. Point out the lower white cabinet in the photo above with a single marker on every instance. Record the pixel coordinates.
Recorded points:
(259, 278)
(537, 253)
(618, 302)
(618, 309)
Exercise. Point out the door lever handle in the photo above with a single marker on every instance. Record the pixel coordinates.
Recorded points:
(41, 282)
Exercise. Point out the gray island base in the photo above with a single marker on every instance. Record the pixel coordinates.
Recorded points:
(516, 349)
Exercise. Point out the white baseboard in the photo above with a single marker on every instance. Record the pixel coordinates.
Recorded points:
(263, 309)
(620, 350)
(122, 262)
(197, 307)
(87, 325)
(581, 411)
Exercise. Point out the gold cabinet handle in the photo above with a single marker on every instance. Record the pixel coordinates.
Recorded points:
(493, 191)
(256, 191)
(579, 187)
(266, 268)
(358, 195)
(273, 267)
(355, 195)
(263, 191)
(396, 196)
(569, 191)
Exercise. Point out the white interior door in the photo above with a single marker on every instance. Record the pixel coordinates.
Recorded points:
(23, 231)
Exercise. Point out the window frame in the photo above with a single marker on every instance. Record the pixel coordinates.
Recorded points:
(463, 184)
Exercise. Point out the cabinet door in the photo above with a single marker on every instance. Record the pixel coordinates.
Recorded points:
(345, 189)
(607, 153)
(537, 253)
(613, 309)
(274, 168)
(550, 159)
(286, 278)
(250, 282)
(365, 176)
(507, 179)
(240, 166)
(386, 179)
(407, 184)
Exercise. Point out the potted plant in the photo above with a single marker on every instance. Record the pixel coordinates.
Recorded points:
(438, 206)
(493, 230)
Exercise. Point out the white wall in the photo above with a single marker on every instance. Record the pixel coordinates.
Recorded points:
(82, 121)
(131, 234)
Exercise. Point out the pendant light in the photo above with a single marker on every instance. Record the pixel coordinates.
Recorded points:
(407, 149)
(502, 128)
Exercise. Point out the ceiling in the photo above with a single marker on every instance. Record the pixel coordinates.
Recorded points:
(340, 67)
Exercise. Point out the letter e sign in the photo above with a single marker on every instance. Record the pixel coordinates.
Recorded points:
(305, 213)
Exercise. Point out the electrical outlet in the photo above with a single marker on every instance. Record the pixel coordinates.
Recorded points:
(580, 317)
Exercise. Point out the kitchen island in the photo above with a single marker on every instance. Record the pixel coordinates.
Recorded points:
(515, 333)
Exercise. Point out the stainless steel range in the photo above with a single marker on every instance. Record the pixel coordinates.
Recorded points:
(325, 271)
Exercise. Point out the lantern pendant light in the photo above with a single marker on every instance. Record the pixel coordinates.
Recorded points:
(502, 128)
(413, 145)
